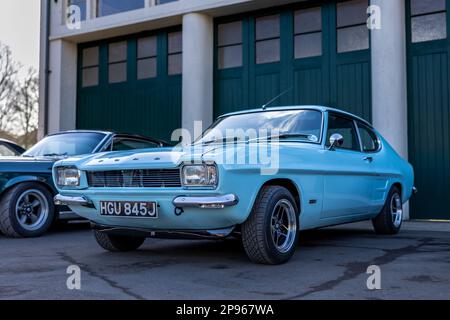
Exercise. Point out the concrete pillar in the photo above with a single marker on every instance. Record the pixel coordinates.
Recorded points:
(198, 49)
(62, 89)
(389, 86)
(43, 69)
(389, 82)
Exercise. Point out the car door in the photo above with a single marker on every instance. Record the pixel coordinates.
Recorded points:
(371, 146)
(348, 173)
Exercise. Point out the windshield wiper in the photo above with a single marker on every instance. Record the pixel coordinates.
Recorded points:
(222, 140)
(285, 136)
(55, 154)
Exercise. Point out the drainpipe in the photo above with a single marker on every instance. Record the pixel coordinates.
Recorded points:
(46, 67)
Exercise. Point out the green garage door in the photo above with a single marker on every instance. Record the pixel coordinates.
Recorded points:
(131, 84)
(429, 108)
(316, 51)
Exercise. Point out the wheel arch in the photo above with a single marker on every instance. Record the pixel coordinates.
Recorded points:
(24, 179)
(290, 185)
(399, 185)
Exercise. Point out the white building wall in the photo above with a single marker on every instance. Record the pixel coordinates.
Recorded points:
(62, 86)
(198, 55)
(389, 76)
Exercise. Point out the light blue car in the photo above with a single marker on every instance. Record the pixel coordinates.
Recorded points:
(262, 175)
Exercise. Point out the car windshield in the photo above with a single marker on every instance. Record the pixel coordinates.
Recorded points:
(66, 145)
(304, 125)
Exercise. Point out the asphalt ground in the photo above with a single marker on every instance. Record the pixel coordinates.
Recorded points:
(329, 263)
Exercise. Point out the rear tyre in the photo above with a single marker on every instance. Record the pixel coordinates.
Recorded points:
(389, 221)
(116, 243)
(26, 210)
(270, 234)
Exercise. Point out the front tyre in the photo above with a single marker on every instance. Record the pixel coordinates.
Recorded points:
(118, 243)
(26, 210)
(270, 234)
(389, 221)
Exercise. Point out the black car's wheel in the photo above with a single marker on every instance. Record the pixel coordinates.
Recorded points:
(26, 210)
(270, 234)
(389, 221)
(116, 243)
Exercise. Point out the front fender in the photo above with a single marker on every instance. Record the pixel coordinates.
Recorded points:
(20, 179)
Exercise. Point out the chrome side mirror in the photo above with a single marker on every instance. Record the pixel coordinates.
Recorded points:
(336, 140)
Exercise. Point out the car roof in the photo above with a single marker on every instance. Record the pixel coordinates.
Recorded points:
(7, 141)
(127, 135)
(80, 131)
(304, 107)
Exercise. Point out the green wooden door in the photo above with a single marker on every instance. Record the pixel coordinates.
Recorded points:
(429, 108)
(135, 93)
(313, 66)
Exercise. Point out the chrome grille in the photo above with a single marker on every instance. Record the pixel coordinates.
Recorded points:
(148, 178)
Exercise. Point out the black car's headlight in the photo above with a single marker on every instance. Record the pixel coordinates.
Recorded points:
(68, 177)
(199, 175)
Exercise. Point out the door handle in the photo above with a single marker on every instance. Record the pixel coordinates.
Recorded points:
(368, 159)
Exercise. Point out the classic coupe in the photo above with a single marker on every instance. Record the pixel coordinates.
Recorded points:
(26, 184)
(329, 167)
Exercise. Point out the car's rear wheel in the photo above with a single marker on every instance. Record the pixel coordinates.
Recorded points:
(389, 221)
(118, 243)
(270, 234)
(26, 210)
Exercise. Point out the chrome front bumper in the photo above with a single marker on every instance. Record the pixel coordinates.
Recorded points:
(218, 202)
(61, 200)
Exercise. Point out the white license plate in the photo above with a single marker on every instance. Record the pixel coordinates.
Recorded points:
(129, 209)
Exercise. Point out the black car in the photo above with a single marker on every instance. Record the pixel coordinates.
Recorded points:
(26, 184)
(8, 148)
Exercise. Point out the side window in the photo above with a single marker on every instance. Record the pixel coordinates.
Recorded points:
(5, 151)
(369, 139)
(121, 144)
(344, 127)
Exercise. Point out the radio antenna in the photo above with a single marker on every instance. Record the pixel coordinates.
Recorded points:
(264, 106)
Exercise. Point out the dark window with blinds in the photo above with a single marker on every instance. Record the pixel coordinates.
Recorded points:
(428, 20)
(117, 62)
(230, 45)
(175, 53)
(308, 33)
(352, 31)
(267, 39)
(147, 59)
(90, 67)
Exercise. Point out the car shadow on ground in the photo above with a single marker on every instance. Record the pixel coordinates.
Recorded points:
(221, 250)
